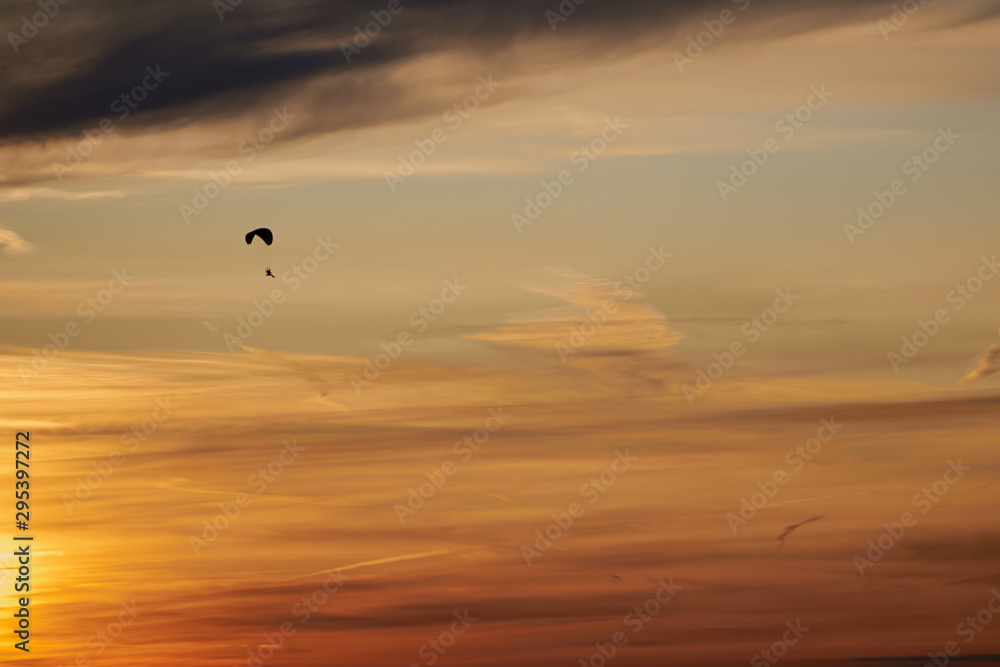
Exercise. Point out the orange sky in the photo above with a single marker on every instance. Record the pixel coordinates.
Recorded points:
(712, 406)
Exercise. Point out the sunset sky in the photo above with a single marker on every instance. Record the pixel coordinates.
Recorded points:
(641, 259)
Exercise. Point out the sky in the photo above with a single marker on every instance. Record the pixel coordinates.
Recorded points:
(675, 320)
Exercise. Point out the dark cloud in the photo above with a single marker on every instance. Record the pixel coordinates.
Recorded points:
(65, 78)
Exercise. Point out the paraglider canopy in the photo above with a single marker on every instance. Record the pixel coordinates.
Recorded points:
(264, 233)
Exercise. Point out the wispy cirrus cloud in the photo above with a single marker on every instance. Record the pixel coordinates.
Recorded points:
(26, 194)
(987, 364)
(634, 326)
(13, 243)
(608, 338)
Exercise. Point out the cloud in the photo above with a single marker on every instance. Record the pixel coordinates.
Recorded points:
(661, 519)
(12, 243)
(987, 364)
(289, 367)
(602, 336)
(223, 78)
(630, 327)
(378, 561)
(24, 194)
(264, 51)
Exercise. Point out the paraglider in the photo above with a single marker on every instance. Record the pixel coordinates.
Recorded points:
(265, 235)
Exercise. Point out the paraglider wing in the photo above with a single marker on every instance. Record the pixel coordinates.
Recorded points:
(264, 233)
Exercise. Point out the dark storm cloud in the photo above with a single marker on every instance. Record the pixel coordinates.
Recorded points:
(210, 67)
(66, 77)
